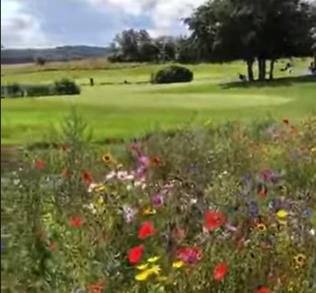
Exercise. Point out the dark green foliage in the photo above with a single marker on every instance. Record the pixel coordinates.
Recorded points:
(172, 74)
(66, 87)
(62, 87)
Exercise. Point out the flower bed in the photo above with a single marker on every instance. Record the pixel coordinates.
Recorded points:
(229, 209)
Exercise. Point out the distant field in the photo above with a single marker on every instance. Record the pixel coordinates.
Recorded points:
(131, 110)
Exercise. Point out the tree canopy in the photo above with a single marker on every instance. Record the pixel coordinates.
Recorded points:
(253, 30)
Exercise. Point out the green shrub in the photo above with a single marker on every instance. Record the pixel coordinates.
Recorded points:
(172, 74)
(66, 87)
(39, 90)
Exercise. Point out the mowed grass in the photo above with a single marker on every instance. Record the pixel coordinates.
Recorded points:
(131, 110)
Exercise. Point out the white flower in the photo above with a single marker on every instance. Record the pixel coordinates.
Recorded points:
(92, 186)
(312, 232)
(122, 175)
(111, 175)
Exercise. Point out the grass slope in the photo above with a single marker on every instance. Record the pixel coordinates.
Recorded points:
(120, 111)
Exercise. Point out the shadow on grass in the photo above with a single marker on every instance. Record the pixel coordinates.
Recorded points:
(285, 81)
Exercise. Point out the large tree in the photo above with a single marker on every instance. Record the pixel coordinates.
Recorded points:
(253, 30)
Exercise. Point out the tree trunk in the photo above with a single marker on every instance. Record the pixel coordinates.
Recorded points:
(250, 69)
(271, 69)
(262, 69)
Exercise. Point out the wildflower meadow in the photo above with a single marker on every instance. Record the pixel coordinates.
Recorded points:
(227, 208)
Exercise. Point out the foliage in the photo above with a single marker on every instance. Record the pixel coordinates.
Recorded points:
(62, 87)
(66, 87)
(40, 61)
(172, 74)
(217, 209)
(253, 30)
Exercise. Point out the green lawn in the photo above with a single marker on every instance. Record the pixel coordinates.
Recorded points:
(114, 111)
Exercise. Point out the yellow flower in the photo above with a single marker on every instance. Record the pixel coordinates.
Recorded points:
(178, 264)
(100, 188)
(282, 214)
(261, 227)
(313, 151)
(153, 259)
(300, 260)
(100, 201)
(142, 267)
(143, 276)
(107, 158)
(149, 212)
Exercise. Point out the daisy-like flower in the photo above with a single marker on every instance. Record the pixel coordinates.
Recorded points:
(111, 175)
(261, 227)
(220, 271)
(129, 213)
(146, 230)
(300, 260)
(135, 254)
(122, 175)
(213, 219)
(107, 159)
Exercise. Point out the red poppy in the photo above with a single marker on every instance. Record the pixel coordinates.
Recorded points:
(86, 177)
(220, 271)
(135, 254)
(263, 290)
(75, 222)
(156, 161)
(146, 230)
(39, 164)
(189, 255)
(213, 219)
(97, 287)
(53, 245)
(286, 121)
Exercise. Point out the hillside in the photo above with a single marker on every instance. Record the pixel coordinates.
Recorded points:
(65, 53)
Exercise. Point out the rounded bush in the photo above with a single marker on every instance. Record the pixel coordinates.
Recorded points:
(66, 87)
(172, 74)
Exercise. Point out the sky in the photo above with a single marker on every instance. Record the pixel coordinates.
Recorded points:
(49, 23)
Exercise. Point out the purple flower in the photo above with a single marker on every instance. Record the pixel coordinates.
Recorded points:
(143, 161)
(129, 213)
(253, 209)
(157, 200)
(307, 213)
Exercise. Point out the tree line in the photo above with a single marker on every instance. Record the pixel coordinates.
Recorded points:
(256, 31)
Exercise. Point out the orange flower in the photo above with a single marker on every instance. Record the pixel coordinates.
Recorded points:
(39, 164)
(146, 230)
(220, 271)
(213, 219)
(86, 177)
(75, 222)
(156, 161)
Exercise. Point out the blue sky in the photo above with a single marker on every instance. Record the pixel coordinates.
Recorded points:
(47, 23)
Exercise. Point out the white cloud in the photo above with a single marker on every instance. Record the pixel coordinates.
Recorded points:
(165, 15)
(20, 29)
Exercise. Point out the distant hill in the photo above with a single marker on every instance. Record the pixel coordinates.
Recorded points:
(65, 53)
